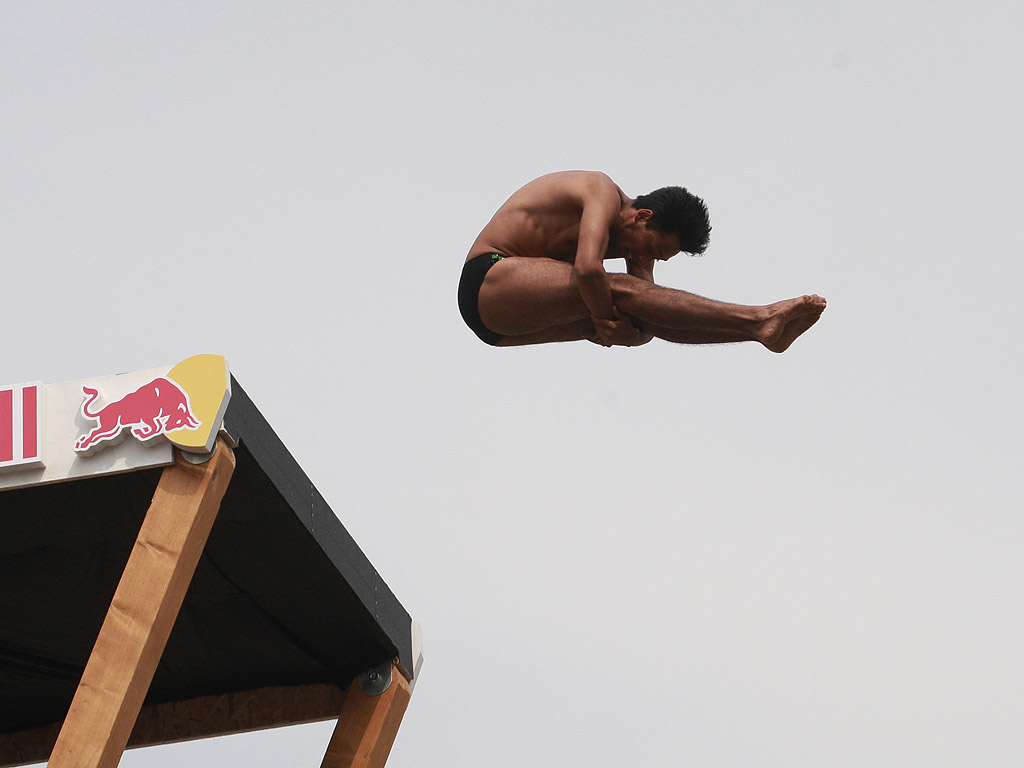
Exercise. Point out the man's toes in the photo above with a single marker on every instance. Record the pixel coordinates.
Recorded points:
(815, 301)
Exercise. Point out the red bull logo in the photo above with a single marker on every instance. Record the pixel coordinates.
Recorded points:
(153, 409)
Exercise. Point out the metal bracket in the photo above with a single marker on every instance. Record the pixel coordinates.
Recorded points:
(196, 458)
(373, 682)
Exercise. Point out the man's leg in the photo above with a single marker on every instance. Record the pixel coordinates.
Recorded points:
(524, 296)
(686, 318)
(578, 331)
(693, 336)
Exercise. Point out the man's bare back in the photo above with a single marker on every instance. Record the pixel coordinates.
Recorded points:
(535, 273)
(542, 219)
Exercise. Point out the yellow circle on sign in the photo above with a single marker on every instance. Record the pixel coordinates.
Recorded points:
(206, 381)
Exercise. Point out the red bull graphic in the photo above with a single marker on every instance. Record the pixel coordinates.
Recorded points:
(153, 409)
(20, 425)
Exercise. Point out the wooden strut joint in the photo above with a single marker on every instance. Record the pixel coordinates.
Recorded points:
(368, 725)
(142, 612)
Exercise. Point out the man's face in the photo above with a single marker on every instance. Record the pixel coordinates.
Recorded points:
(645, 246)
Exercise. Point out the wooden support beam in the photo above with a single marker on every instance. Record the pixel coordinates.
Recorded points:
(142, 613)
(198, 718)
(368, 725)
(236, 713)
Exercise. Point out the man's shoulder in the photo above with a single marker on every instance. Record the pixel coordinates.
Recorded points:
(583, 178)
(575, 186)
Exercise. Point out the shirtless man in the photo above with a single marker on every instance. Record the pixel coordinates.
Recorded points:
(536, 272)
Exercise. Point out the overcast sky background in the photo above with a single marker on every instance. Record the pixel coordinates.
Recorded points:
(710, 557)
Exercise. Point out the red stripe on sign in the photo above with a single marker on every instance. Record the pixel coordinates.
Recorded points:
(30, 422)
(6, 425)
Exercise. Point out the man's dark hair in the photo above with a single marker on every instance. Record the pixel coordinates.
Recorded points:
(679, 213)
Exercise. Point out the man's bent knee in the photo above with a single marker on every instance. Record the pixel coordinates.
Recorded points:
(627, 285)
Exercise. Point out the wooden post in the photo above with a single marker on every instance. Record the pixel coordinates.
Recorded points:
(368, 725)
(142, 613)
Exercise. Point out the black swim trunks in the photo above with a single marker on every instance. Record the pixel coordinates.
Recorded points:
(469, 290)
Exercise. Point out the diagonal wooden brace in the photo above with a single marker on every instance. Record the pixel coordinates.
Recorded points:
(368, 725)
(142, 612)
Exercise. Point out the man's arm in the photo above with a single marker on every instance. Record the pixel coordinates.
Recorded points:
(639, 270)
(644, 273)
(624, 331)
(600, 201)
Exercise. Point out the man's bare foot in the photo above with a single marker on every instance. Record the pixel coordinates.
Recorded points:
(788, 319)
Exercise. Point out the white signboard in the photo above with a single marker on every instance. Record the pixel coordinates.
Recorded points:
(54, 432)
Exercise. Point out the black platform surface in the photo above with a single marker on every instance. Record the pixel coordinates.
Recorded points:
(282, 594)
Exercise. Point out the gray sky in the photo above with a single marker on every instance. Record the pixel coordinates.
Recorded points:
(710, 557)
